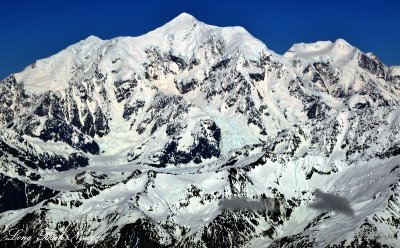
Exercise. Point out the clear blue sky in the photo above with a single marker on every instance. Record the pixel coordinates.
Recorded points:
(32, 30)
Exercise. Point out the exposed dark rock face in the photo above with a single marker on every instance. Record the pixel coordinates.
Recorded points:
(53, 117)
(16, 194)
(205, 146)
(373, 66)
(15, 147)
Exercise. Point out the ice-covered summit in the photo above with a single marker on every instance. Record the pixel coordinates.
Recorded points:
(184, 37)
(334, 51)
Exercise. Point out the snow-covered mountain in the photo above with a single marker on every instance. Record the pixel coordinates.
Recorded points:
(136, 141)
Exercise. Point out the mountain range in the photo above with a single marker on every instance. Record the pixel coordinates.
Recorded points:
(148, 142)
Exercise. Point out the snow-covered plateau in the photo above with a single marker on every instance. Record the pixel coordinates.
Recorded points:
(136, 141)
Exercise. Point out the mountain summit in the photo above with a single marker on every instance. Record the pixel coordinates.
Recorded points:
(183, 19)
(147, 140)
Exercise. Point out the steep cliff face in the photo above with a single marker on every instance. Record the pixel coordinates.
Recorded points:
(137, 140)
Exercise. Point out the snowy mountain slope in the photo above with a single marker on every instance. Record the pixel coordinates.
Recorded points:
(137, 140)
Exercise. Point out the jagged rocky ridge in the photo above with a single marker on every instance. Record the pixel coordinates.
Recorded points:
(136, 140)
